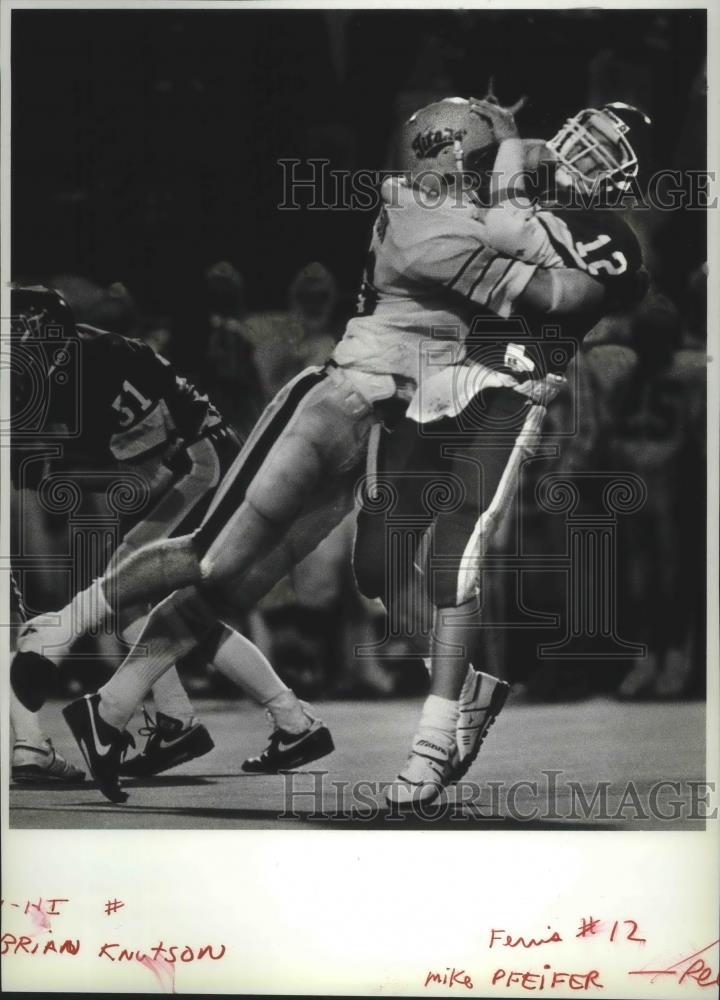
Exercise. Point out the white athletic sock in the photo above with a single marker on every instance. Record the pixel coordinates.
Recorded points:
(439, 720)
(242, 662)
(52, 635)
(25, 724)
(87, 610)
(132, 632)
(168, 693)
(165, 639)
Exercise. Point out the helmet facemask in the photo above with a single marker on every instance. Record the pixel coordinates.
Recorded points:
(592, 150)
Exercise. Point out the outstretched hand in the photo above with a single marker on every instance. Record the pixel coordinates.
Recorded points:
(500, 119)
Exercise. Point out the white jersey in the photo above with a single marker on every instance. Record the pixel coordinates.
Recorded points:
(430, 271)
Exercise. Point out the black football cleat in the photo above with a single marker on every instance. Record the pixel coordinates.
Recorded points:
(103, 753)
(288, 750)
(168, 744)
(33, 677)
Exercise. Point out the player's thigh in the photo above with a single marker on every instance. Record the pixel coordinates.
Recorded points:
(276, 415)
(308, 447)
(237, 594)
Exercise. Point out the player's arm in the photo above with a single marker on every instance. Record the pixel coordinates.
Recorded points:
(513, 229)
(509, 222)
(563, 291)
(190, 420)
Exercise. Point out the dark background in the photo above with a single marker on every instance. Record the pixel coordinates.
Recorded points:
(145, 148)
(145, 143)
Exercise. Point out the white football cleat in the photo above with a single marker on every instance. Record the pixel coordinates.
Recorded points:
(427, 772)
(481, 700)
(33, 764)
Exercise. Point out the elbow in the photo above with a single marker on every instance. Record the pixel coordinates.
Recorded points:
(572, 292)
(506, 229)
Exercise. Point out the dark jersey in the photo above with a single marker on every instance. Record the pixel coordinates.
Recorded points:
(598, 242)
(601, 242)
(126, 404)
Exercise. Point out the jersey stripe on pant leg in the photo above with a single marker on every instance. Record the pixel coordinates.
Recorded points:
(266, 432)
(526, 444)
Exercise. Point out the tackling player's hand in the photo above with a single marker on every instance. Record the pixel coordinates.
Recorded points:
(501, 119)
(542, 390)
(177, 460)
(537, 152)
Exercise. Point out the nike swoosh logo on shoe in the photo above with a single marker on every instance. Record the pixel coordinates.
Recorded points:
(106, 748)
(295, 742)
(166, 744)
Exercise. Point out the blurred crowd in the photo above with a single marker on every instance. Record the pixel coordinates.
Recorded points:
(636, 396)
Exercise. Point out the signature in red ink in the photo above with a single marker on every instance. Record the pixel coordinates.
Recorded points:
(451, 977)
(693, 968)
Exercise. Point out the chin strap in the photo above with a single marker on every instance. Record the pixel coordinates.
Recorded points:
(459, 154)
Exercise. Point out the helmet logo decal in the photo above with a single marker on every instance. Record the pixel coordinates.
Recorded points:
(433, 140)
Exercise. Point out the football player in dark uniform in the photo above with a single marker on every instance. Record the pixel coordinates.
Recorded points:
(450, 469)
(122, 407)
(432, 264)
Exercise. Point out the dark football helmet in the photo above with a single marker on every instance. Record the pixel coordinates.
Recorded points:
(43, 356)
(40, 313)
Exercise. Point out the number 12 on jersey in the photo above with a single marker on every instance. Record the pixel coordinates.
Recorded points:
(617, 263)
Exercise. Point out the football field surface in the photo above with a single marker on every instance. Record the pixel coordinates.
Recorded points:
(595, 764)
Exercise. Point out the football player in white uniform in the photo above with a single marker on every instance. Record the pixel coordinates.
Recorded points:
(432, 266)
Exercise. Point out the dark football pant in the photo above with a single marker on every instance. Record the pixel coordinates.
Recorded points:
(437, 495)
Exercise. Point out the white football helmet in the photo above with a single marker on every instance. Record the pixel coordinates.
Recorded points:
(447, 138)
(592, 148)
